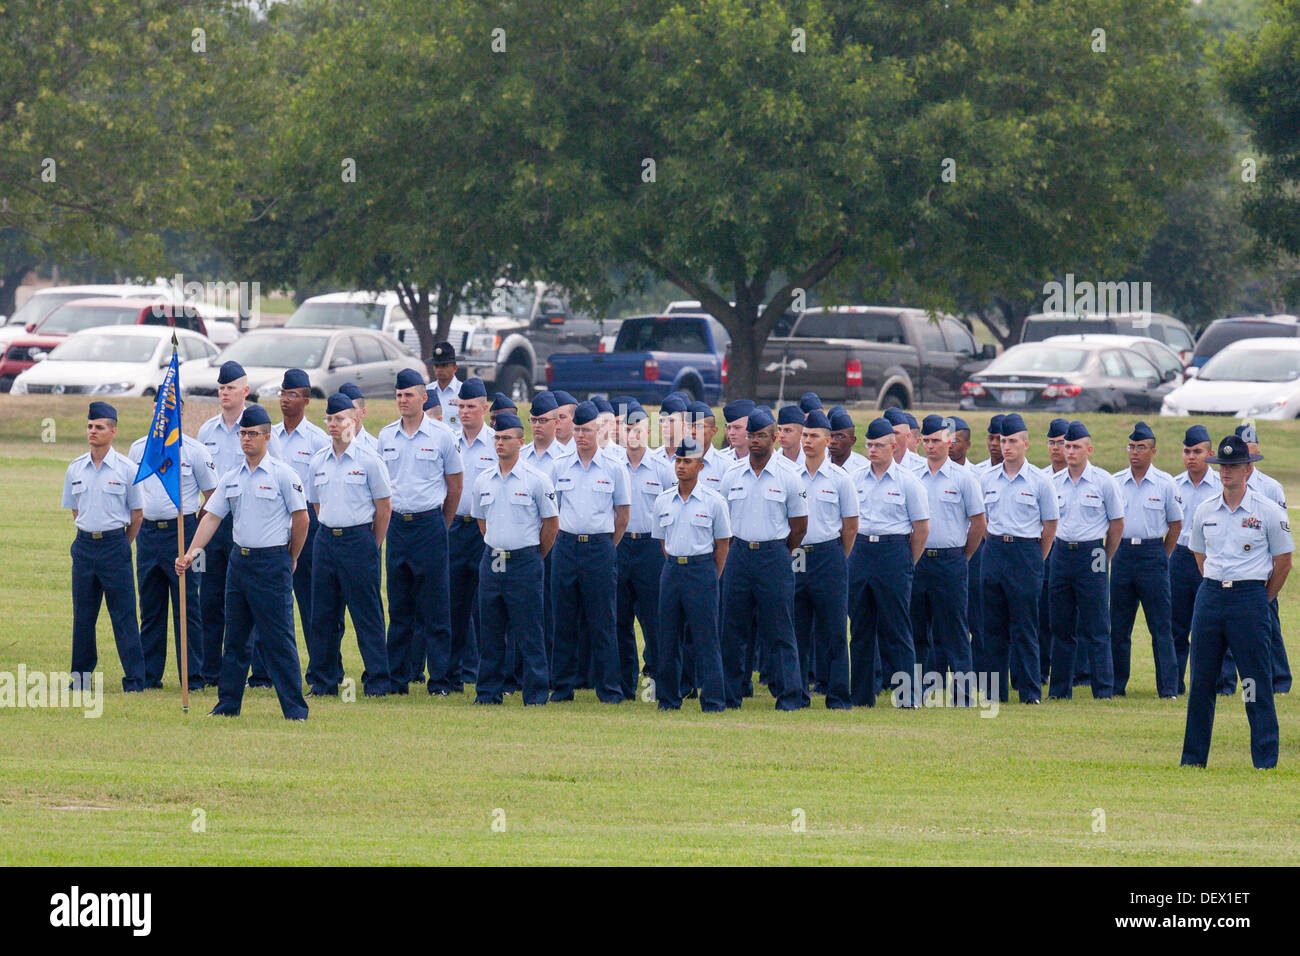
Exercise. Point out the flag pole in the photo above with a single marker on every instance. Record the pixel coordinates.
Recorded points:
(184, 661)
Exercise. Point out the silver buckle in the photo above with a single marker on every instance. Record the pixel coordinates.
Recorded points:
(1134, 540)
(1227, 584)
(873, 538)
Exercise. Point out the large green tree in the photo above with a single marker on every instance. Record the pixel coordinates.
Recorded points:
(118, 119)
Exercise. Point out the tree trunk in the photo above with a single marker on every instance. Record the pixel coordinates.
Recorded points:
(743, 362)
(415, 303)
(9, 282)
(448, 303)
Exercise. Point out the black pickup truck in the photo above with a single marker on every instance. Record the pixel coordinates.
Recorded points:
(885, 355)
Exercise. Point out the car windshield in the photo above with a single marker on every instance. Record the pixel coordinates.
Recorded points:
(106, 348)
(315, 315)
(514, 301)
(39, 306)
(73, 318)
(278, 351)
(1215, 338)
(1038, 358)
(1252, 365)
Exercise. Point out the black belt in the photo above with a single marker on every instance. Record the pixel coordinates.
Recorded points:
(1141, 542)
(821, 544)
(884, 538)
(164, 525)
(1226, 585)
(1082, 545)
(943, 552)
(498, 553)
(466, 518)
(689, 559)
(594, 538)
(1012, 539)
(96, 535)
(421, 515)
(279, 548)
(637, 535)
(339, 532)
(760, 545)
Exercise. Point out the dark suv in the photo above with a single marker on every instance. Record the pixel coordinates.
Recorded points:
(1223, 332)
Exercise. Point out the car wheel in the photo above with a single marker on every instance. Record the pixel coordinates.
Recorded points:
(513, 381)
(692, 388)
(149, 393)
(893, 399)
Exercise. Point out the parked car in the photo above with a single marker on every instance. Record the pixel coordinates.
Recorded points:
(886, 355)
(222, 323)
(79, 314)
(330, 357)
(1153, 325)
(1249, 378)
(652, 356)
(44, 301)
(506, 337)
(1222, 332)
(1072, 377)
(111, 360)
(1165, 359)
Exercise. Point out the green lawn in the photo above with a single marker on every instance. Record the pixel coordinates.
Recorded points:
(418, 780)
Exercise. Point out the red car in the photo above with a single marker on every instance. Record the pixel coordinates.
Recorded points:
(73, 317)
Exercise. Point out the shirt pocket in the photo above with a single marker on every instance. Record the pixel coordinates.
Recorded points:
(1027, 500)
(353, 479)
(665, 518)
(485, 498)
(564, 484)
(320, 478)
(114, 488)
(701, 521)
(773, 494)
(992, 496)
(266, 493)
(422, 454)
(737, 493)
(1153, 503)
(390, 454)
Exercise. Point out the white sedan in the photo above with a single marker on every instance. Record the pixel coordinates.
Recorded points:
(1251, 378)
(111, 360)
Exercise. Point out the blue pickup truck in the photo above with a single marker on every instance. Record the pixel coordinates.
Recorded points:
(652, 356)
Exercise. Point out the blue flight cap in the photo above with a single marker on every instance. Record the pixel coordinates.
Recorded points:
(230, 371)
(790, 415)
(879, 428)
(1246, 433)
(623, 404)
(563, 398)
(699, 411)
(1013, 423)
(672, 405)
(895, 416)
(603, 405)
(817, 419)
(995, 424)
(759, 419)
(584, 413)
(840, 420)
(543, 403)
(1057, 428)
(1077, 430)
(959, 424)
(636, 414)
(501, 402)
(338, 402)
(507, 421)
(294, 378)
(431, 400)
(911, 420)
(351, 391)
(1195, 435)
(933, 424)
(830, 412)
(736, 410)
(473, 388)
(409, 378)
(101, 410)
(253, 416)
(689, 448)
(1142, 432)
(809, 401)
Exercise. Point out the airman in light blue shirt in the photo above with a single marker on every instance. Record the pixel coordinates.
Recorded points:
(689, 527)
(1150, 504)
(345, 487)
(647, 480)
(263, 501)
(1191, 496)
(588, 494)
(1018, 505)
(296, 448)
(476, 457)
(831, 498)
(761, 504)
(512, 506)
(103, 496)
(954, 497)
(419, 463)
(198, 477)
(890, 503)
(1087, 505)
(1239, 543)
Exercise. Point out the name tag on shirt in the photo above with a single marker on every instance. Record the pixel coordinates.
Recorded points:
(426, 454)
(1026, 497)
(1091, 501)
(774, 494)
(265, 491)
(603, 485)
(702, 520)
(390, 454)
(486, 497)
(652, 488)
(1153, 503)
(355, 477)
(115, 487)
(736, 492)
(564, 484)
(992, 495)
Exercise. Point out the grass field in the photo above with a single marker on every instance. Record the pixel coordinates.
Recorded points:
(415, 780)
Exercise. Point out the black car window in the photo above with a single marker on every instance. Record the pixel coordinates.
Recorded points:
(368, 350)
(343, 349)
(931, 335)
(1141, 367)
(670, 335)
(1220, 334)
(959, 339)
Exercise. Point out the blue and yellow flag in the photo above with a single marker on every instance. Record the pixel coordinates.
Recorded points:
(162, 449)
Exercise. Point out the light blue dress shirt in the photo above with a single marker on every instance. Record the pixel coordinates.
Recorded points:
(262, 500)
(588, 494)
(1018, 506)
(891, 503)
(512, 506)
(688, 527)
(1088, 505)
(646, 482)
(1190, 497)
(475, 457)
(198, 474)
(544, 461)
(1268, 486)
(418, 464)
(222, 443)
(295, 448)
(103, 496)
(954, 497)
(1151, 505)
(831, 499)
(347, 486)
(1239, 543)
(761, 505)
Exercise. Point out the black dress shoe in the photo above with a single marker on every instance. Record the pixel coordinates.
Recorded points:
(217, 712)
